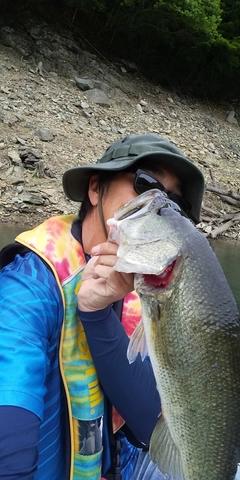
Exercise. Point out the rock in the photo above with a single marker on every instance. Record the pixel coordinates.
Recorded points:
(139, 108)
(84, 105)
(84, 84)
(44, 134)
(14, 157)
(129, 65)
(98, 96)
(29, 157)
(231, 118)
(31, 198)
(20, 140)
(16, 181)
(93, 122)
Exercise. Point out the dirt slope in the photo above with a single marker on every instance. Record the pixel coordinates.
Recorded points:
(48, 123)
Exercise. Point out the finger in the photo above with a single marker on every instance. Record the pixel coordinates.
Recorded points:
(106, 248)
(102, 271)
(106, 260)
(123, 279)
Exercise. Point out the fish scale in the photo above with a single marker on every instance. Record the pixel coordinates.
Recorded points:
(192, 333)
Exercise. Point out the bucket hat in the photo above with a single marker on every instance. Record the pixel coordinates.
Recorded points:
(133, 150)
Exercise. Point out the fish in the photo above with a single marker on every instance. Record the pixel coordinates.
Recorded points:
(190, 329)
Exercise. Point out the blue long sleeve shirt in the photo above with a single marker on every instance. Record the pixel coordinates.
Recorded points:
(32, 400)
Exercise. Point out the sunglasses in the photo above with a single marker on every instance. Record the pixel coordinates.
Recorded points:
(144, 181)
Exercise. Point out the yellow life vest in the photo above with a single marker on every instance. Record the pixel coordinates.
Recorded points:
(54, 243)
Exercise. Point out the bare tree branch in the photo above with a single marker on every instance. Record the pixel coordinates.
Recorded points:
(209, 210)
(225, 226)
(212, 177)
(226, 193)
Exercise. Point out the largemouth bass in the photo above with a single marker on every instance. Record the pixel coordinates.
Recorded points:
(190, 329)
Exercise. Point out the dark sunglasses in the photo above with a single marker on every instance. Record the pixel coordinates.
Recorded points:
(144, 181)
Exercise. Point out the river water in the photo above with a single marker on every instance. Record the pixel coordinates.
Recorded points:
(228, 254)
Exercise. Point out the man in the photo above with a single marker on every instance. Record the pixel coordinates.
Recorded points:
(71, 406)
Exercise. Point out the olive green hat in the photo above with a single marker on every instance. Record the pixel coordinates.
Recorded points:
(132, 150)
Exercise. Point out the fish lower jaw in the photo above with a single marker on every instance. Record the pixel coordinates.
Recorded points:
(146, 289)
(154, 284)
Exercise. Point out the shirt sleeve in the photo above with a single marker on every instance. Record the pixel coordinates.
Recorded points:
(131, 388)
(19, 435)
(30, 310)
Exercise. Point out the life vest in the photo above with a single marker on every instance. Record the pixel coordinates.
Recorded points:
(54, 243)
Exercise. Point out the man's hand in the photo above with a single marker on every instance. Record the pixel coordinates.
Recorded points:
(101, 284)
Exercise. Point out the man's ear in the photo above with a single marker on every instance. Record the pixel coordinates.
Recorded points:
(93, 190)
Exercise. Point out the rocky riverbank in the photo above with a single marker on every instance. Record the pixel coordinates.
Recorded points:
(61, 106)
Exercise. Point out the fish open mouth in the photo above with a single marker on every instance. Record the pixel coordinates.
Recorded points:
(162, 280)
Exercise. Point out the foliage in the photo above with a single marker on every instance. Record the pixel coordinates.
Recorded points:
(230, 27)
(198, 15)
(193, 45)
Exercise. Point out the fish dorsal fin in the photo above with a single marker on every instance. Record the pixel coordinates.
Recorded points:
(164, 452)
(137, 344)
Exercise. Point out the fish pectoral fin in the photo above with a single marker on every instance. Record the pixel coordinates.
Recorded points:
(137, 344)
(164, 452)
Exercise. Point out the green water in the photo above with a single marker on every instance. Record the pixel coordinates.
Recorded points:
(228, 254)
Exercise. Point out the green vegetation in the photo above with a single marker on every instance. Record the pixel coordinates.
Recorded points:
(190, 45)
(193, 45)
